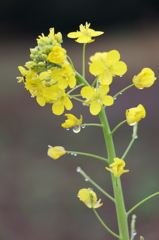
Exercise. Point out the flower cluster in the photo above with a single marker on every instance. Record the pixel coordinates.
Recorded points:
(49, 73)
(51, 78)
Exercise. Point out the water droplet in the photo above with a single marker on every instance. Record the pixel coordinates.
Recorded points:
(83, 126)
(115, 98)
(134, 233)
(140, 88)
(67, 129)
(120, 75)
(86, 179)
(76, 129)
(121, 93)
(78, 169)
(75, 154)
(136, 136)
(72, 153)
(132, 124)
(70, 97)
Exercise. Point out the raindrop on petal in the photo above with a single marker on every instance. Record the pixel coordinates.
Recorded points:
(76, 129)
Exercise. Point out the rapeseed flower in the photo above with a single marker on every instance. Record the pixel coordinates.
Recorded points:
(107, 65)
(57, 55)
(72, 122)
(117, 168)
(144, 79)
(55, 152)
(85, 34)
(134, 115)
(65, 76)
(36, 89)
(89, 198)
(96, 98)
(59, 98)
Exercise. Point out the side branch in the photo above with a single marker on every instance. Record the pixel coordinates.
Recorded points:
(94, 184)
(144, 200)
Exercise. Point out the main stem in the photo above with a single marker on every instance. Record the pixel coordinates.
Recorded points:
(117, 188)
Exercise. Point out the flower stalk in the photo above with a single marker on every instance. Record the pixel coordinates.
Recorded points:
(117, 188)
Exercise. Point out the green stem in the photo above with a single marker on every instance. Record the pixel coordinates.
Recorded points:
(123, 90)
(92, 124)
(83, 59)
(144, 200)
(89, 155)
(71, 62)
(78, 99)
(80, 79)
(94, 184)
(133, 231)
(120, 206)
(95, 81)
(80, 85)
(134, 136)
(105, 226)
(118, 126)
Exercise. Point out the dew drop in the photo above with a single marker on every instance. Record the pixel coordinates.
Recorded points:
(76, 129)
(121, 93)
(75, 154)
(121, 75)
(136, 136)
(134, 233)
(78, 169)
(140, 88)
(86, 179)
(115, 98)
(132, 124)
(72, 153)
(83, 126)
(67, 129)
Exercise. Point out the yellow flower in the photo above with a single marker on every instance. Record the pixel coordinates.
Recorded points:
(97, 98)
(25, 73)
(58, 55)
(85, 34)
(64, 76)
(55, 152)
(36, 89)
(117, 168)
(144, 79)
(60, 99)
(134, 115)
(107, 65)
(72, 122)
(89, 198)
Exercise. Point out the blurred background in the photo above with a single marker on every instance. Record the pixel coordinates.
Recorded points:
(38, 196)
